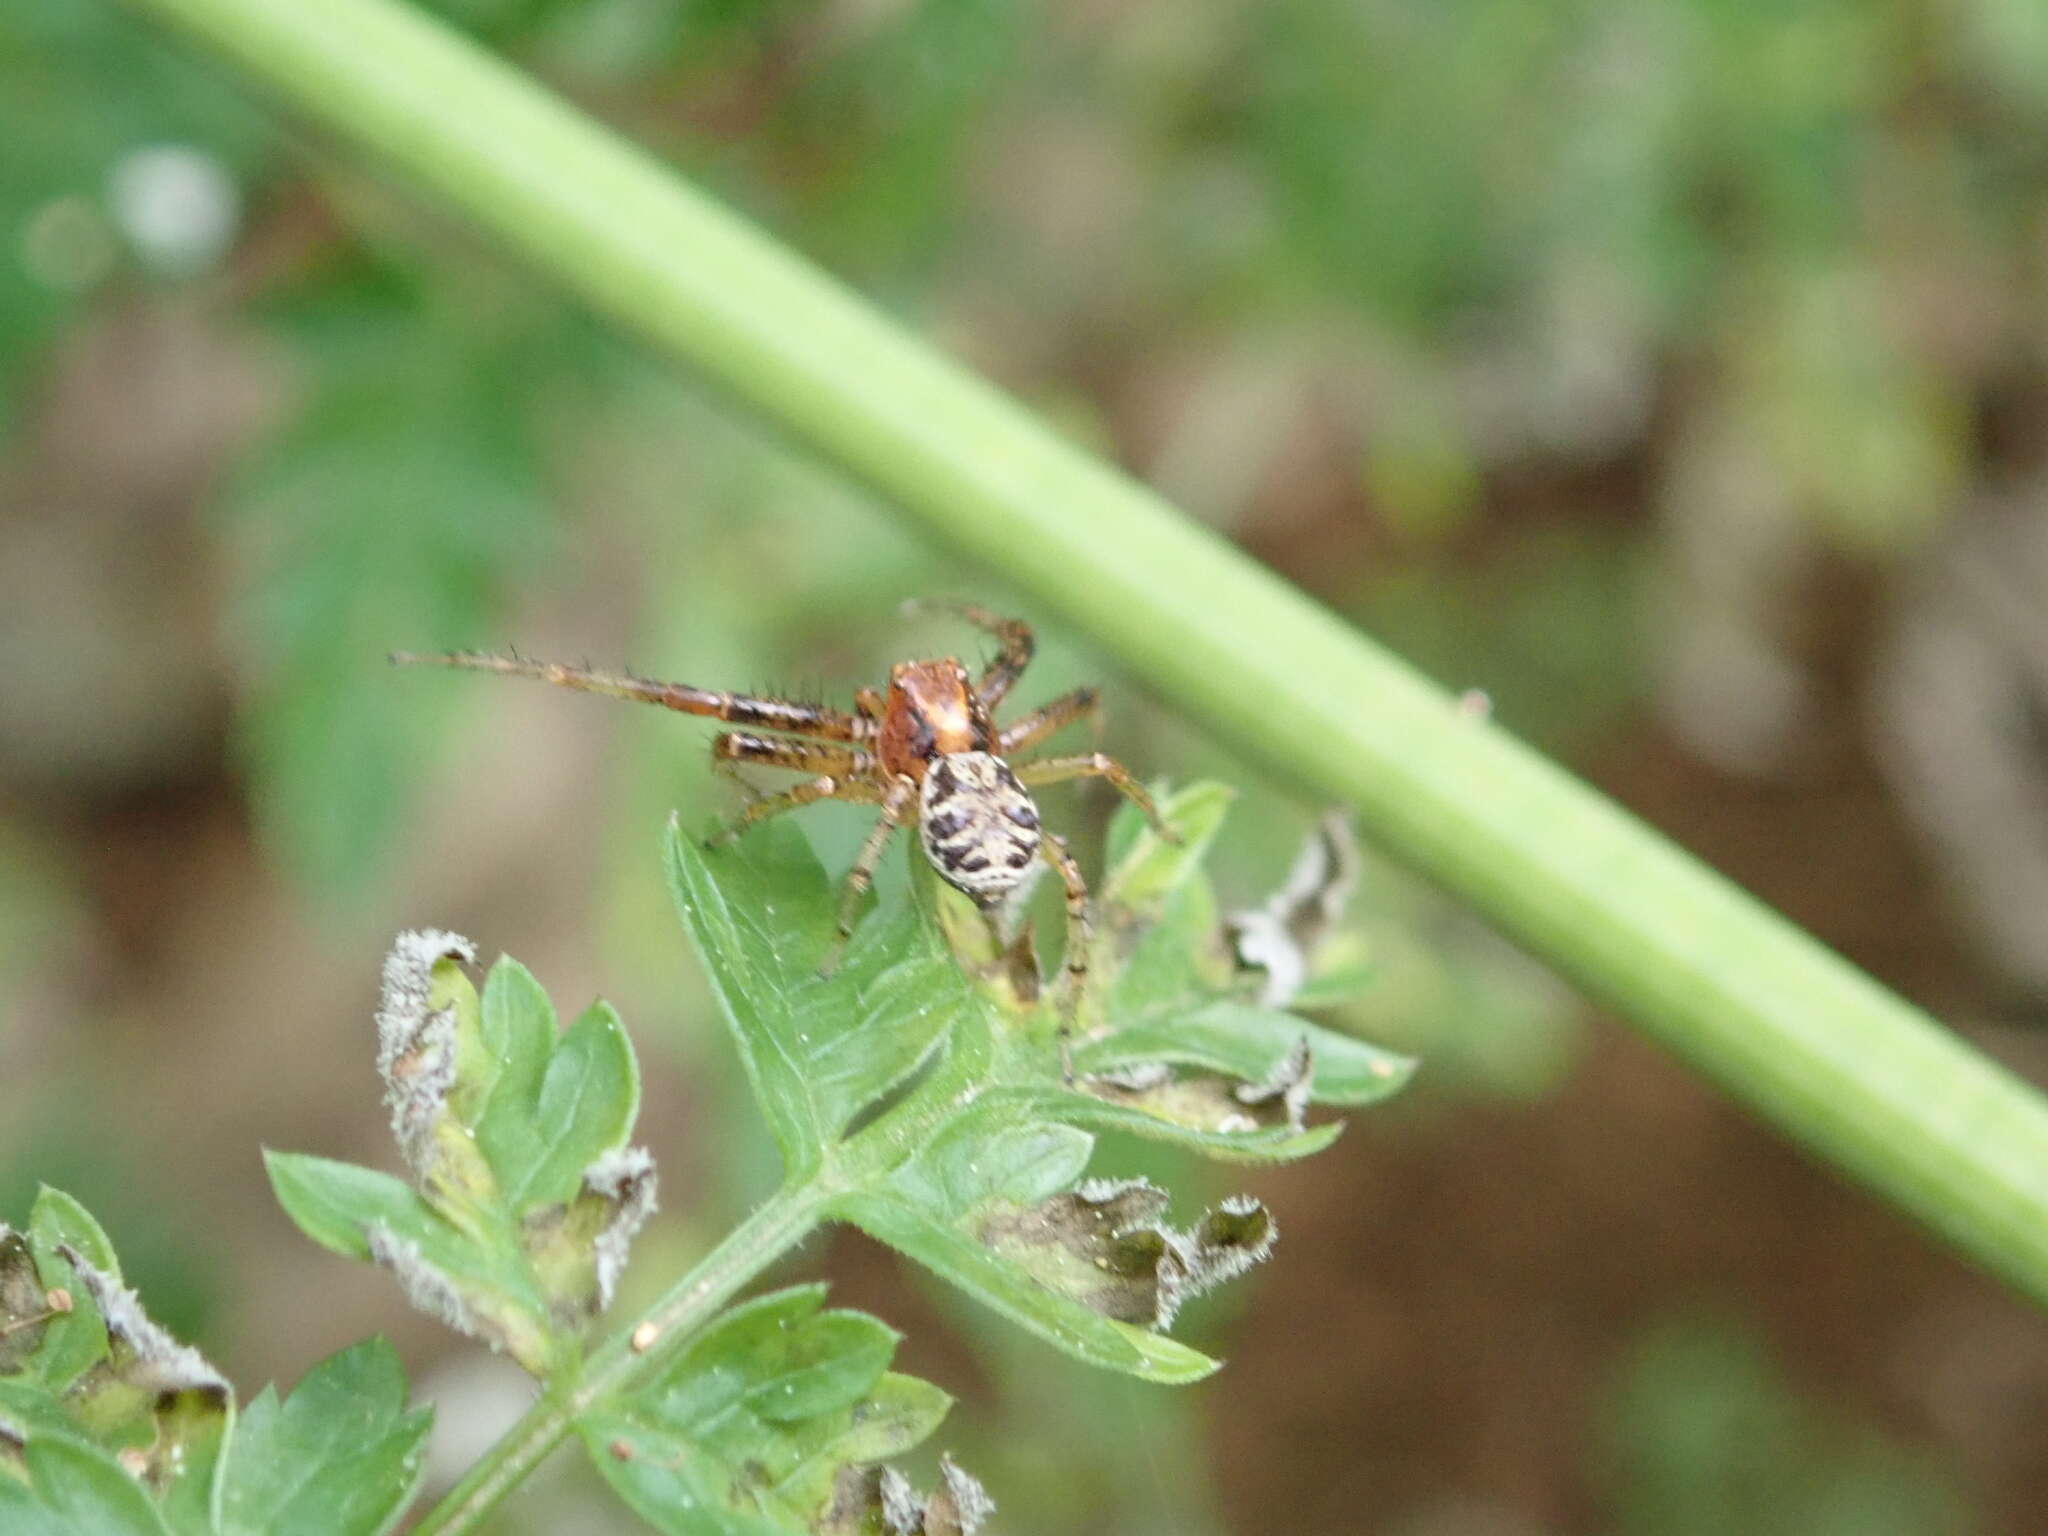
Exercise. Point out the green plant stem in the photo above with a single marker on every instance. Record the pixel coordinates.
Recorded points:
(778, 1226)
(1854, 1073)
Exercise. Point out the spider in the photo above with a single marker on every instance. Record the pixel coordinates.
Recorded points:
(926, 749)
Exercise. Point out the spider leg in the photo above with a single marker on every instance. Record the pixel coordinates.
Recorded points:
(1082, 703)
(829, 787)
(1080, 939)
(807, 756)
(895, 801)
(1053, 770)
(732, 748)
(737, 708)
(1015, 635)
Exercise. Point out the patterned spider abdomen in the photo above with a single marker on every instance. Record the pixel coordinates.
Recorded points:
(978, 825)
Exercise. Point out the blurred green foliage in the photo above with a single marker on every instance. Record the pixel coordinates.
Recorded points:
(84, 87)
(403, 496)
(1704, 1435)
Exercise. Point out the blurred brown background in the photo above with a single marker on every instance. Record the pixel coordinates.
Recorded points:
(1672, 372)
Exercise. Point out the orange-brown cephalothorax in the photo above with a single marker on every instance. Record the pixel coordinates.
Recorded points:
(930, 712)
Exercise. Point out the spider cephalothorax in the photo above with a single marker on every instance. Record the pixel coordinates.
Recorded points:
(925, 749)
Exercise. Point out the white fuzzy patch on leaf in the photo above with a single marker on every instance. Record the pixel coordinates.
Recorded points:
(625, 1177)
(161, 1364)
(1290, 1083)
(426, 1287)
(1281, 937)
(959, 1498)
(902, 1509)
(1107, 1245)
(416, 1043)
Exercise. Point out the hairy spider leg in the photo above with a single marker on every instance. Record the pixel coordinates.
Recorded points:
(1096, 765)
(1014, 635)
(735, 747)
(896, 800)
(735, 708)
(1080, 940)
(829, 787)
(805, 756)
(1029, 731)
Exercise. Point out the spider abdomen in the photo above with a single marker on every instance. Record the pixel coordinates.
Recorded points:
(977, 824)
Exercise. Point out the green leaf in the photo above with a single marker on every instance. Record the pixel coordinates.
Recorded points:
(528, 1194)
(1145, 868)
(777, 1356)
(517, 1027)
(75, 1489)
(57, 1218)
(586, 1103)
(483, 1288)
(746, 1431)
(818, 1050)
(121, 1383)
(1267, 1144)
(335, 1203)
(1163, 960)
(671, 1483)
(187, 1458)
(1001, 1285)
(28, 1409)
(896, 1414)
(392, 509)
(77, 1340)
(1249, 1043)
(979, 1157)
(340, 1457)
(24, 1303)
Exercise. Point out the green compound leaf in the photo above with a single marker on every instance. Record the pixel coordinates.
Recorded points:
(500, 1069)
(978, 1158)
(818, 1050)
(1182, 1054)
(749, 1431)
(75, 1341)
(1008, 1289)
(585, 1105)
(975, 1168)
(1145, 868)
(100, 1380)
(478, 1284)
(146, 1437)
(336, 1204)
(75, 1488)
(528, 1194)
(1152, 1118)
(340, 1457)
(29, 1411)
(1251, 1044)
